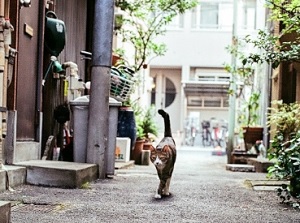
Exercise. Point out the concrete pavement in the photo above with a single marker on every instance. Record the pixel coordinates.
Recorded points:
(202, 190)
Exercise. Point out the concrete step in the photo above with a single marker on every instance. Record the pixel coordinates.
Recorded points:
(124, 165)
(265, 185)
(261, 164)
(240, 167)
(5, 210)
(16, 176)
(59, 173)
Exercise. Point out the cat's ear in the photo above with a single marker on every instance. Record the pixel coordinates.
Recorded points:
(166, 148)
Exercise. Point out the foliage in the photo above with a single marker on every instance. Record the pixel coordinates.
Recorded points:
(284, 117)
(146, 126)
(285, 149)
(249, 116)
(287, 165)
(143, 21)
(272, 48)
(244, 74)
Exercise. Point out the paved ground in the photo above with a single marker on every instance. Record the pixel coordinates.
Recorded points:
(202, 191)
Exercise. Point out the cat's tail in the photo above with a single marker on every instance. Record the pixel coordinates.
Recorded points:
(165, 115)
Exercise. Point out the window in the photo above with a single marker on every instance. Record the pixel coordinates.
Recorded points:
(170, 92)
(248, 16)
(212, 102)
(211, 14)
(153, 92)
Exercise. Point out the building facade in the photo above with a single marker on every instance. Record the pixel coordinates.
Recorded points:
(190, 81)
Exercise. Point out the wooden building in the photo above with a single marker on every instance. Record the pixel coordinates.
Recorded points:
(30, 104)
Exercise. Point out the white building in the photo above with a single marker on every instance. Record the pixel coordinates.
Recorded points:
(189, 80)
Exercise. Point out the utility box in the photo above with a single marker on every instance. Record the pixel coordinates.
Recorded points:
(122, 153)
(80, 109)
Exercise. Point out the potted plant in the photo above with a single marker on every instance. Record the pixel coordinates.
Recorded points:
(146, 130)
(251, 131)
(247, 95)
(285, 146)
(149, 127)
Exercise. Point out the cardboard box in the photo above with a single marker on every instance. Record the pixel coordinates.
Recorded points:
(122, 152)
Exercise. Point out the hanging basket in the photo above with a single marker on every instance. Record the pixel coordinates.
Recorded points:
(121, 83)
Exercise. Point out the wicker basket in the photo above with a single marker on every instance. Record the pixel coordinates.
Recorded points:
(120, 85)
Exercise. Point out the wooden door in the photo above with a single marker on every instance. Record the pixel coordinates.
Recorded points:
(27, 72)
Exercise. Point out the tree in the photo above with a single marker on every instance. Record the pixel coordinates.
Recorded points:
(143, 21)
(273, 47)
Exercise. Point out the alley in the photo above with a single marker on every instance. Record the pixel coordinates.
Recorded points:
(202, 191)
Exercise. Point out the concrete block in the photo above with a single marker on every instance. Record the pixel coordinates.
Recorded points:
(261, 164)
(240, 167)
(59, 173)
(5, 212)
(122, 152)
(145, 157)
(16, 176)
(25, 151)
(2, 180)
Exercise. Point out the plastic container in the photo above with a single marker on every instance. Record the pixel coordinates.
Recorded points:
(80, 109)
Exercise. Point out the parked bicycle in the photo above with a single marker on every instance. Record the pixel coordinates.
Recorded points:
(219, 135)
(206, 134)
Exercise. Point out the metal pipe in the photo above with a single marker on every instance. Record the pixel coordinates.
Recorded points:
(2, 64)
(2, 8)
(232, 98)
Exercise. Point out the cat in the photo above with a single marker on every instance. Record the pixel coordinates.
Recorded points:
(163, 157)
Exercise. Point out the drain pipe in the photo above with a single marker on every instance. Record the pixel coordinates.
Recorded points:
(8, 28)
(5, 41)
(2, 63)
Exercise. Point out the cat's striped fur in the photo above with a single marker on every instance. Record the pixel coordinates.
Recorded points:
(164, 157)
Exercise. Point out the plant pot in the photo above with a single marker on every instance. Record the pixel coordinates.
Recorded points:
(126, 126)
(147, 145)
(115, 60)
(251, 135)
(137, 151)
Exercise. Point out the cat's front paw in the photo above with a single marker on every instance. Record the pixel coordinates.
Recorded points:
(157, 196)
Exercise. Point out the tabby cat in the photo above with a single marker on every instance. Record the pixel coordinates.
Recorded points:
(163, 157)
